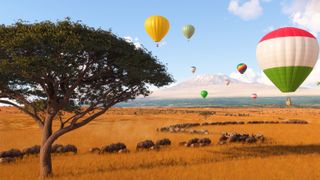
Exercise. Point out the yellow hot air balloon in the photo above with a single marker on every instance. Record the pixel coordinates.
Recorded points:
(157, 27)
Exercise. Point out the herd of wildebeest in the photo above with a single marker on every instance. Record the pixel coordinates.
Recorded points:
(185, 127)
(13, 154)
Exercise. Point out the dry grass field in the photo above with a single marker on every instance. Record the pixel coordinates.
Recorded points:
(291, 151)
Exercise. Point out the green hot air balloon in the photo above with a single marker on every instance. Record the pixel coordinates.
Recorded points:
(204, 93)
(188, 31)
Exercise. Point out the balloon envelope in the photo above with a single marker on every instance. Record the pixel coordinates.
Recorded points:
(157, 27)
(287, 56)
(242, 68)
(204, 93)
(254, 96)
(188, 31)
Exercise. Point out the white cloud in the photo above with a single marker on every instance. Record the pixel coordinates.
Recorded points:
(134, 41)
(263, 79)
(248, 10)
(314, 76)
(249, 76)
(304, 13)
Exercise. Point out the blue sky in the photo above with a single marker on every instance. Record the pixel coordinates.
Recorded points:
(225, 35)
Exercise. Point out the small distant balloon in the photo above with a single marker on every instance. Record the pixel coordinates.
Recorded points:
(288, 101)
(204, 93)
(318, 83)
(193, 69)
(254, 96)
(188, 31)
(242, 68)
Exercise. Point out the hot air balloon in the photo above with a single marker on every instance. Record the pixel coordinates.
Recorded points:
(288, 101)
(227, 82)
(204, 93)
(287, 56)
(254, 96)
(193, 69)
(318, 83)
(157, 27)
(188, 30)
(242, 68)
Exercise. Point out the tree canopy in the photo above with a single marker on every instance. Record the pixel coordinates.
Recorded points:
(49, 68)
(68, 64)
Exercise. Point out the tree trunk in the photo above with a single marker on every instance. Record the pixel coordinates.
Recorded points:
(45, 152)
(45, 161)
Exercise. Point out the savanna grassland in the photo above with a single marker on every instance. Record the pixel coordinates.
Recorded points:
(291, 151)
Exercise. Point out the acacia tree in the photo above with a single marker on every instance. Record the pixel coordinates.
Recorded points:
(48, 69)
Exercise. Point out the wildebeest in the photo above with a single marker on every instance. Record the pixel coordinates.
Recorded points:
(251, 139)
(163, 142)
(195, 142)
(234, 137)
(223, 137)
(31, 150)
(57, 148)
(70, 148)
(112, 148)
(12, 153)
(204, 142)
(147, 144)
(192, 142)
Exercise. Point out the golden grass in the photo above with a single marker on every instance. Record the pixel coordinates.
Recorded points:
(291, 152)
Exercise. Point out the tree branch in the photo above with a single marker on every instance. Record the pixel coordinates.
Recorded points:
(34, 116)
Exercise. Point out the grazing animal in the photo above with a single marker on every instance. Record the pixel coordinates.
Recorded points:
(195, 142)
(204, 142)
(70, 148)
(12, 153)
(31, 150)
(163, 142)
(251, 139)
(147, 144)
(234, 138)
(112, 148)
(192, 141)
(57, 148)
(223, 138)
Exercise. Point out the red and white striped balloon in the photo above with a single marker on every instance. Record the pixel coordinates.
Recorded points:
(287, 56)
(254, 96)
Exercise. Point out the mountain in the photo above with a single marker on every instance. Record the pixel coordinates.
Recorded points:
(216, 87)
